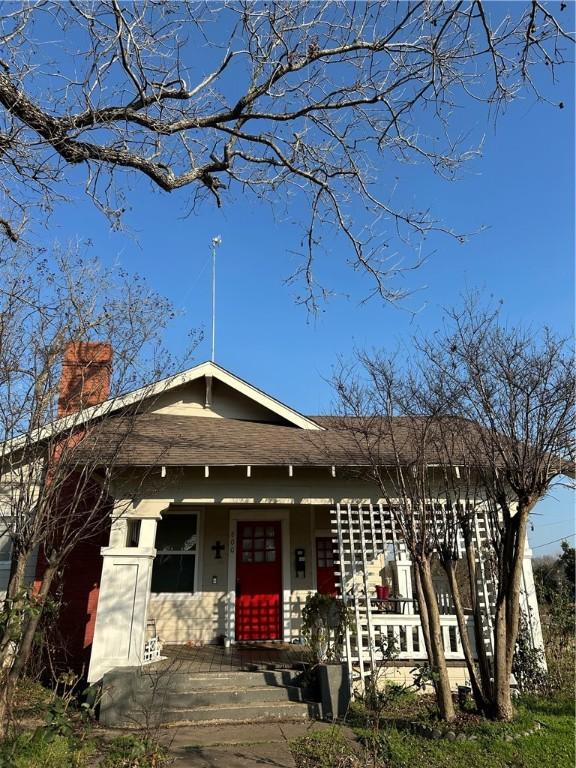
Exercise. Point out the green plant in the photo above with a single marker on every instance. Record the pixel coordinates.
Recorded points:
(528, 664)
(90, 699)
(15, 611)
(324, 622)
(324, 749)
(424, 676)
(377, 695)
(135, 752)
(58, 719)
(42, 748)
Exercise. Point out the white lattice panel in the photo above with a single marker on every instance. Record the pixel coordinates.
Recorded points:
(363, 533)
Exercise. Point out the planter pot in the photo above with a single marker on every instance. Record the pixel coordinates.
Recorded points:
(334, 685)
(464, 693)
(382, 591)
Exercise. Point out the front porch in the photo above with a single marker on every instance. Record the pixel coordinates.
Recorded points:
(241, 657)
(197, 577)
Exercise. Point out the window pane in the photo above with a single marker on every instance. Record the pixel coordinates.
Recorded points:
(270, 530)
(173, 573)
(258, 543)
(258, 557)
(247, 530)
(133, 533)
(271, 556)
(246, 544)
(246, 557)
(5, 546)
(258, 531)
(177, 532)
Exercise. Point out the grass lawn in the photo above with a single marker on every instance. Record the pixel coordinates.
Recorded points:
(550, 747)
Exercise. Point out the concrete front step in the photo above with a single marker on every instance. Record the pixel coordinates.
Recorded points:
(184, 681)
(132, 697)
(213, 697)
(148, 678)
(256, 712)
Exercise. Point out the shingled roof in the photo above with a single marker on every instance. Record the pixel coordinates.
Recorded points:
(171, 440)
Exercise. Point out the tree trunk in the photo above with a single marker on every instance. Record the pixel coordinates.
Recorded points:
(424, 620)
(508, 611)
(443, 689)
(25, 647)
(22, 653)
(502, 700)
(13, 605)
(480, 621)
(480, 698)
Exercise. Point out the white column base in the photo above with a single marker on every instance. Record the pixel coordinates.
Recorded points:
(529, 604)
(403, 572)
(120, 630)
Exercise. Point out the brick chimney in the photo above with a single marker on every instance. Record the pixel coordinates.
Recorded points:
(85, 378)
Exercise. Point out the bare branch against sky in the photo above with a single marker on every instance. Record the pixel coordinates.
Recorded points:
(283, 101)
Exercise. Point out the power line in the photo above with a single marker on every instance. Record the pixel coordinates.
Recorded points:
(562, 538)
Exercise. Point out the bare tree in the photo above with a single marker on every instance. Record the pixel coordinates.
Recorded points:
(516, 389)
(57, 388)
(395, 455)
(282, 100)
(481, 417)
(456, 496)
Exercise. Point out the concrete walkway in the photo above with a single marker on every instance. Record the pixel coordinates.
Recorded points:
(235, 746)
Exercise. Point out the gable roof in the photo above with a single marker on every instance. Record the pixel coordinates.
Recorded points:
(216, 371)
(149, 439)
(115, 405)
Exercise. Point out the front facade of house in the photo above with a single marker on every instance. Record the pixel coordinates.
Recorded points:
(229, 509)
(224, 524)
(228, 533)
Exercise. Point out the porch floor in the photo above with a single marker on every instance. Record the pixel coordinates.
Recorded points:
(245, 657)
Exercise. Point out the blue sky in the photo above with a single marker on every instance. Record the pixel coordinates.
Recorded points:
(521, 190)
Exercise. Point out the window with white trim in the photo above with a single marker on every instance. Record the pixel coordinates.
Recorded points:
(174, 566)
(5, 542)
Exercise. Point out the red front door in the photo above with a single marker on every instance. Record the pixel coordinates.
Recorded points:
(325, 577)
(258, 582)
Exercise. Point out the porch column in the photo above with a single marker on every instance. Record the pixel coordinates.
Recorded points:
(120, 630)
(402, 566)
(529, 603)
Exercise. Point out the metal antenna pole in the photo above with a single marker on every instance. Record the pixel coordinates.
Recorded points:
(215, 243)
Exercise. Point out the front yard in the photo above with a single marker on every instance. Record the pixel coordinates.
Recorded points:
(49, 733)
(471, 743)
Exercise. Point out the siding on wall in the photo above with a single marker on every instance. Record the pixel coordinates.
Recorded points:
(190, 399)
(201, 618)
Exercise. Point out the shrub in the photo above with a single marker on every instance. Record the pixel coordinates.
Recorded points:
(528, 664)
(44, 749)
(324, 622)
(324, 749)
(135, 752)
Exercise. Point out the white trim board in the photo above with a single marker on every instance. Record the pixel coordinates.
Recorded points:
(182, 509)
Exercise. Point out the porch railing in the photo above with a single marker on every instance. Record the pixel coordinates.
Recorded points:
(152, 650)
(406, 631)
(375, 623)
